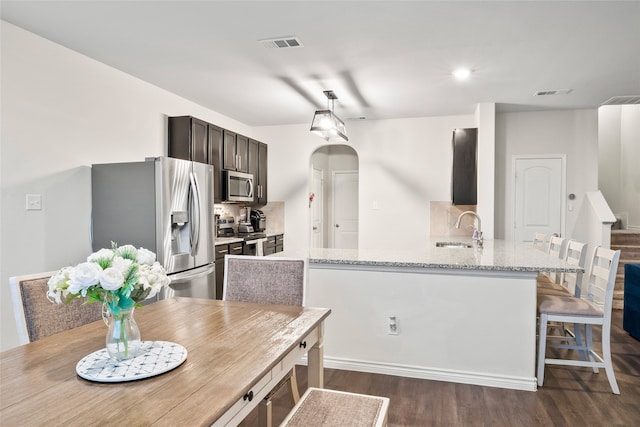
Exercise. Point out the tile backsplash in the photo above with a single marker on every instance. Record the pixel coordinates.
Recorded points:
(444, 216)
(273, 210)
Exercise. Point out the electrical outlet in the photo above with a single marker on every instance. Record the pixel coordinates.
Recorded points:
(34, 202)
(393, 326)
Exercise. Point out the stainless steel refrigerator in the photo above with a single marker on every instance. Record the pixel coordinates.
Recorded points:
(164, 205)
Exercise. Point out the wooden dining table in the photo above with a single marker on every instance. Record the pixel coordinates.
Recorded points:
(237, 352)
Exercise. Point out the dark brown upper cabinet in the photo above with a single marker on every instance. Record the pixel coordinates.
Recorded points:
(236, 149)
(194, 139)
(188, 139)
(464, 188)
(215, 159)
(258, 167)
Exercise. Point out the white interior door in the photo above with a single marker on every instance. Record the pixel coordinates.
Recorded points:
(317, 188)
(539, 185)
(345, 209)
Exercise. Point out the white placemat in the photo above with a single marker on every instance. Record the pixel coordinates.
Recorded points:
(157, 357)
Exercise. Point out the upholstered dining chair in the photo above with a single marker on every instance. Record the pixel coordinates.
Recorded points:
(593, 307)
(269, 280)
(37, 317)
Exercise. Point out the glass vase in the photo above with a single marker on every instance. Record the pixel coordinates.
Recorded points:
(123, 336)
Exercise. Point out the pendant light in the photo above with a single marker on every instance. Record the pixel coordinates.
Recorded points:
(326, 124)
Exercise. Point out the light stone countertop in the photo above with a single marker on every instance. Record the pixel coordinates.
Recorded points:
(235, 239)
(495, 255)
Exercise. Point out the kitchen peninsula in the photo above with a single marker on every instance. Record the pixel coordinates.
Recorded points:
(458, 314)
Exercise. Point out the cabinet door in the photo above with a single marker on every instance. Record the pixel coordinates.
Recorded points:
(199, 141)
(464, 170)
(262, 174)
(180, 137)
(236, 248)
(229, 148)
(215, 159)
(279, 243)
(242, 151)
(188, 139)
(253, 166)
(219, 277)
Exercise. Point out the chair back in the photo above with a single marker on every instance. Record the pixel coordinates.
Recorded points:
(268, 280)
(556, 248)
(37, 317)
(539, 240)
(602, 278)
(576, 254)
(556, 244)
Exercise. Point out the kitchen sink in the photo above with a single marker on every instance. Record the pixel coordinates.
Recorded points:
(453, 245)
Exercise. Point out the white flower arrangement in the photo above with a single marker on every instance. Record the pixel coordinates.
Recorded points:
(120, 278)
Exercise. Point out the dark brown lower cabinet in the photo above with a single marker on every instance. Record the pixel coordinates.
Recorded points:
(221, 251)
(273, 244)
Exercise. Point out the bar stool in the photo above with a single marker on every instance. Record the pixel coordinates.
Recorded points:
(593, 308)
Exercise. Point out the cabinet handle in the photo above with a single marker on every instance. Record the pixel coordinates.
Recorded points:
(303, 344)
(223, 251)
(248, 396)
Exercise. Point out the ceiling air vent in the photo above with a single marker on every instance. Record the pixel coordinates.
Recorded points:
(554, 92)
(281, 43)
(623, 100)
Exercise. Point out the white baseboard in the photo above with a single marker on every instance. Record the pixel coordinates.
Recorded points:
(462, 377)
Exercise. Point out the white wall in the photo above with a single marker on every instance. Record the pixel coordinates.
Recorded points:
(573, 133)
(486, 123)
(62, 112)
(609, 156)
(403, 164)
(630, 142)
(619, 143)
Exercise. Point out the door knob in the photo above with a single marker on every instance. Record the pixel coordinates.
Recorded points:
(337, 225)
(315, 228)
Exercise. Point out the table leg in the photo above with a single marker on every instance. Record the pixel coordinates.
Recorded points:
(315, 363)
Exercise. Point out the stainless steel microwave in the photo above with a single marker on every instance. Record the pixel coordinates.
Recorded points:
(238, 186)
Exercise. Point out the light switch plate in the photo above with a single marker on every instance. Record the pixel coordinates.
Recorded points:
(34, 202)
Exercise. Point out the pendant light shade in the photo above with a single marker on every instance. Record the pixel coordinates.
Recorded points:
(327, 125)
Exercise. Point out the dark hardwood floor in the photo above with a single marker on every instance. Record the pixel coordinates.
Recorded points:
(569, 397)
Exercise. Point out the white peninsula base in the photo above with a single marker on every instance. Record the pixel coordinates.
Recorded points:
(464, 326)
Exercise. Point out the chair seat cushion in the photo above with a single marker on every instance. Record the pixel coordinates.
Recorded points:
(322, 407)
(544, 279)
(560, 291)
(567, 305)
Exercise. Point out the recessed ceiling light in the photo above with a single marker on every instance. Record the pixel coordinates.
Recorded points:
(462, 73)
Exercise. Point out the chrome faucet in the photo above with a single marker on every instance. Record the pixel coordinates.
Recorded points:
(477, 232)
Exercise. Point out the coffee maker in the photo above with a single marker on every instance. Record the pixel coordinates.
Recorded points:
(258, 220)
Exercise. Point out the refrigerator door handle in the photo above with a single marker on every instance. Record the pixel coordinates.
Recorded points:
(192, 274)
(195, 213)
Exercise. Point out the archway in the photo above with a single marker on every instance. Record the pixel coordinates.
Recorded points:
(333, 197)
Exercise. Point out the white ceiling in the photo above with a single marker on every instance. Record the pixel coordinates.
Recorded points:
(383, 59)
